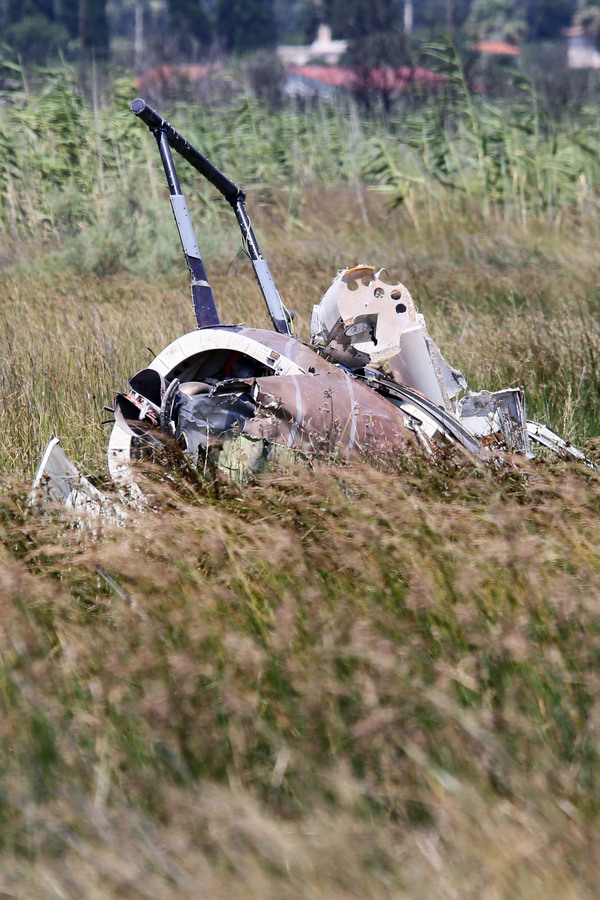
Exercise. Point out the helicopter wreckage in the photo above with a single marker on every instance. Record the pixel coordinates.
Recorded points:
(371, 380)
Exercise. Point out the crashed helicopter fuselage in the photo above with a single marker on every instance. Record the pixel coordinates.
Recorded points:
(371, 380)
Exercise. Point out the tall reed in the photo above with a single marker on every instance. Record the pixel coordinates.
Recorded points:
(87, 175)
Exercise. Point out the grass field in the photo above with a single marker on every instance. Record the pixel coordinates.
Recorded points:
(374, 680)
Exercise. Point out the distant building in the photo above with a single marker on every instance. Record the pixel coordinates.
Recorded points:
(313, 69)
(581, 49)
(323, 49)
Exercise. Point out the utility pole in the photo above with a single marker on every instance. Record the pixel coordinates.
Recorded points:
(450, 17)
(138, 39)
(408, 16)
(81, 37)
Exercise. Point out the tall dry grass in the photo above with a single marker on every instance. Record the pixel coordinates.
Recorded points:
(377, 680)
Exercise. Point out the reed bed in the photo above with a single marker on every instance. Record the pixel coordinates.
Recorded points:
(87, 174)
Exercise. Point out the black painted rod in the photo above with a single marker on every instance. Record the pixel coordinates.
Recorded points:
(155, 122)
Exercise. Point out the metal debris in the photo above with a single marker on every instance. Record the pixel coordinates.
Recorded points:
(371, 380)
(546, 437)
(58, 480)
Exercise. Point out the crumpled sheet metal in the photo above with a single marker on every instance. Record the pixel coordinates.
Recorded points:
(497, 415)
(311, 406)
(363, 320)
(544, 436)
(329, 412)
(59, 481)
(372, 312)
(279, 352)
(236, 392)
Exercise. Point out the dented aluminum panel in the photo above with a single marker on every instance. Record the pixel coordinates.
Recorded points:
(497, 417)
(60, 481)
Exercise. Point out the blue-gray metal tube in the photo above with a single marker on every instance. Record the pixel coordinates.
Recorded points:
(205, 309)
(235, 196)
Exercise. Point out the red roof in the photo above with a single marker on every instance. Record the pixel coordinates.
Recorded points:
(163, 75)
(346, 77)
(371, 78)
(497, 48)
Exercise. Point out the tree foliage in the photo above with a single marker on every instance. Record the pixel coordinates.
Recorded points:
(516, 21)
(190, 23)
(589, 16)
(37, 29)
(96, 24)
(245, 25)
(546, 18)
(35, 37)
(373, 28)
(497, 20)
